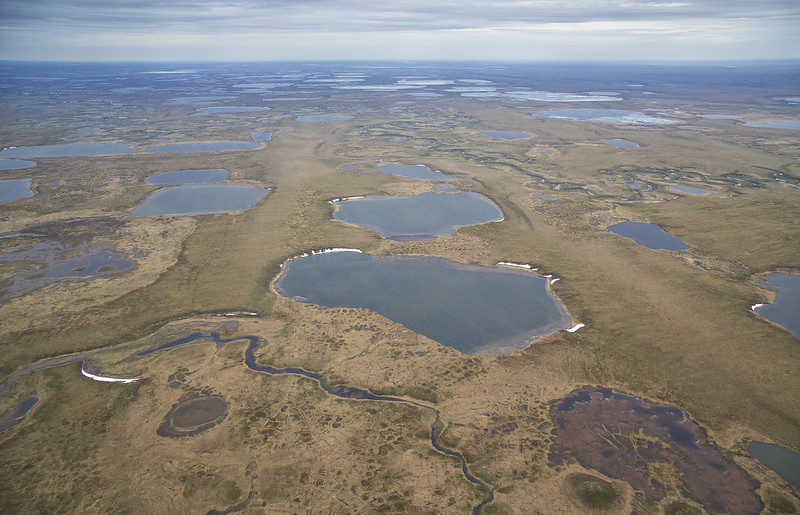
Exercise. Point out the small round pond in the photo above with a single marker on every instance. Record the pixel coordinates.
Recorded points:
(197, 199)
(475, 309)
(194, 416)
(650, 235)
(420, 217)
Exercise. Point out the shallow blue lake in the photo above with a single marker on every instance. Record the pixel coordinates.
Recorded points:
(605, 115)
(231, 109)
(419, 217)
(475, 309)
(261, 136)
(786, 308)
(785, 462)
(415, 172)
(650, 235)
(687, 189)
(68, 150)
(621, 143)
(323, 117)
(15, 189)
(197, 199)
(16, 164)
(505, 134)
(790, 124)
(177, 177)
(204, 147)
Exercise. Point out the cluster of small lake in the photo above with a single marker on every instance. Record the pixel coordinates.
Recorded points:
(55, 261)
(606, 116)
(475, 309)
(787, 301)
(420, 217)
(650, 235)
(420, 172)
(15, 189)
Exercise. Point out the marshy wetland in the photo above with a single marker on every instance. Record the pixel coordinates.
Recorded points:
(527, 360)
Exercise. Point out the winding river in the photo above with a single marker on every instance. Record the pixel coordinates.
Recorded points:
(341, 391)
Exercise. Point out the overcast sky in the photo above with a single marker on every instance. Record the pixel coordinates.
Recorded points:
(266, 30)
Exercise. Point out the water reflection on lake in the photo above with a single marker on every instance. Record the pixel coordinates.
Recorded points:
(197, 199)
(15, 189)
(786, 307)
(177, 177)
(414, 172)
(475, 309)
(650, 235)
(421, 217)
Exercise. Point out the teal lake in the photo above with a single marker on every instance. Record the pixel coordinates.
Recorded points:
(475, 309)
(784, 311)
(15, 189)
(419, 217)
(650, 235)
(198, 199)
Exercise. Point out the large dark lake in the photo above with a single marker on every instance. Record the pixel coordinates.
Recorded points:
(475, 309)
(650, 235)
(419, 217)
(198, 199)
(786, 308)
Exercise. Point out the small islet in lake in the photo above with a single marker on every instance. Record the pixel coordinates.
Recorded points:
(15, 189)
(787, 301)
(650, 235)
(474, 309)
(420, 217)
(198, 199)
(420, 172)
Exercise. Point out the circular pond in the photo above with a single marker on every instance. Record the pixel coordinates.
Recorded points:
(194, 416)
